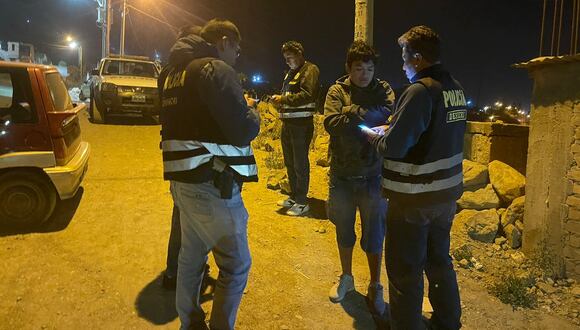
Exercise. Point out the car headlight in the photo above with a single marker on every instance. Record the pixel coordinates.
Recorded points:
(108, 87)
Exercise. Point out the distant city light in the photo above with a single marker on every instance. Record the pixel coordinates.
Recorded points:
(73, 45)
(487, 107)
(2, 132)
(491, 118)
(509, 107)
(469, 102)
(28, 20)
(257, 79)
(498, 104)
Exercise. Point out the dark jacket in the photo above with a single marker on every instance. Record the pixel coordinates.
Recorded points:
(346, 107)
(423, 148)
(300, 90)
(202, 100)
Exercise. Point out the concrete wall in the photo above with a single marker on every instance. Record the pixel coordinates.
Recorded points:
(486, 142)
(552, 209)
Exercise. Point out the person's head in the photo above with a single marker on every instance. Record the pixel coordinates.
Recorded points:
(226, 38)
(361, 59)
(293, 53)
(188, 30)
(421, 49)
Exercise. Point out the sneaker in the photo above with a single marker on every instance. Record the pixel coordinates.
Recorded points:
(298, 210)
(340, 289)
(287, 203)
(374, 298)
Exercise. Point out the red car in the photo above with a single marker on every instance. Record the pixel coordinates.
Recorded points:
(42, 156)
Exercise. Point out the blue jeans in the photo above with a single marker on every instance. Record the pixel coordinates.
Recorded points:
(344, 197)
(295, 145)
(211, 224)
(417, 241)
(174, 244)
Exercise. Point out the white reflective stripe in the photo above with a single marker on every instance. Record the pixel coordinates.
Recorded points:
(180, 145)
(246, 170)
(301, 114)
(41, 159)
(214, 149)
(417, 188)
(227, 150)
(413, 169)
(306, 106)
(186, 164)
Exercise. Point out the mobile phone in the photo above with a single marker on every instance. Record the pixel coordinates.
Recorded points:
(366, 129)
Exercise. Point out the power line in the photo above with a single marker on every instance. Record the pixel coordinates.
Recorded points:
(543, 25)
(173, 28)
(560, 28)
(554, 27)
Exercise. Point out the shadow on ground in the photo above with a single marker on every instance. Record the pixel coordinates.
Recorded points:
(354, 305)
(135, 121)
(60, 219)
(157, 304)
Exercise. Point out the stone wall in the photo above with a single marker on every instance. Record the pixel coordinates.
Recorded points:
(486, 142)
(552, 206)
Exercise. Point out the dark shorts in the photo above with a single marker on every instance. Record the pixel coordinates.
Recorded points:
(364, 193)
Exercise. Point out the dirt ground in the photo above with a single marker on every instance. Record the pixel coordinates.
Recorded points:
(97, 263)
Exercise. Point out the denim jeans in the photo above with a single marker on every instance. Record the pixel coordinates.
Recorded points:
(174, 243)
(211, 224)
(344, 197)
(418, 240)
(295, 145)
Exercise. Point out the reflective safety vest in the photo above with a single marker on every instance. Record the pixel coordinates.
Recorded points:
(432, 170)
(292, 85)
(183, 156)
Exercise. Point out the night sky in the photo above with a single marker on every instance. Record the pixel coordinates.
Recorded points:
(481, 38)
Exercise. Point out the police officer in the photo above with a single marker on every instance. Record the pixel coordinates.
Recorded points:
(297, 106)
(422, 178)
(207, 127)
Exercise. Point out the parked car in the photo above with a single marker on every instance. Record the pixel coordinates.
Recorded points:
(124, 86)
(42, 156)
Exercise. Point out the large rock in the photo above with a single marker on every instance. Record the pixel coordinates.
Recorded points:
(483, 226)
(481, 199)
(515, 212)
(475, 175)
(513, 235)
(507, 182)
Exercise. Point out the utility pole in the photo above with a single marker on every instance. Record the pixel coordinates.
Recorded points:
(123, 28)
(363, 20)
(104, 20)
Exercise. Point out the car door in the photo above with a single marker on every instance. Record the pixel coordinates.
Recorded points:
(23, 125)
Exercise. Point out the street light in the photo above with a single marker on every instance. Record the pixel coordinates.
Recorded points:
(75, 45)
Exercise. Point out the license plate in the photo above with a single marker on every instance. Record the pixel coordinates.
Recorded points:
(139, 98)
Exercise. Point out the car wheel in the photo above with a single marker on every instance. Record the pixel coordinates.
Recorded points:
(94, 113)
(25, 198)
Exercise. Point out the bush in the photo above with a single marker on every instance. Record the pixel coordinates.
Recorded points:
(514, 290)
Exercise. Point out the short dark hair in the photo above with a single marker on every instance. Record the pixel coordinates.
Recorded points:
(423, 40)
(187, 30)
(361, 51)
(293, 47)
(214, 30)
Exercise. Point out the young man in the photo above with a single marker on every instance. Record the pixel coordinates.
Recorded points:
(355, 168)
(207, 127)
(423, 178)
(297, 106)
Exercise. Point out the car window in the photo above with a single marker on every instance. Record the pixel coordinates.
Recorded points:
(16, 104)
(127, 68)
(6, 90)
(58, 92)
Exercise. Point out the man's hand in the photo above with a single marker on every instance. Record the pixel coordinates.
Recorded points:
(250, 101)
(380, 130)
(276, 99)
